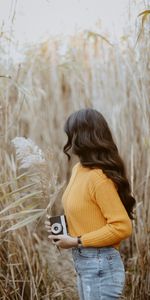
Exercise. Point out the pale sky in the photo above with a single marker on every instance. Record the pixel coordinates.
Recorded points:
(34, 19)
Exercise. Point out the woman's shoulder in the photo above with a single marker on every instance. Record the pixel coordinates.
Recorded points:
(75, 166)
(93, 173)
(97, 175)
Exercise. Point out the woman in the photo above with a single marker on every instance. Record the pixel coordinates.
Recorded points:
(98, 207)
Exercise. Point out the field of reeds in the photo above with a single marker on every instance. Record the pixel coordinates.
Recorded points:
(36, 96)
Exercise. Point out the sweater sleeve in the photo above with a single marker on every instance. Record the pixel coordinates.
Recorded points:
(118, 224)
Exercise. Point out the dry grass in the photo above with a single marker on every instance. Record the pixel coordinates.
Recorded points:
(35, 101)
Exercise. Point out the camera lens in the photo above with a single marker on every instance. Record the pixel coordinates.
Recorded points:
(56, 228)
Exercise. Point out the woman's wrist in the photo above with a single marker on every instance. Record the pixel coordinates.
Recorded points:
(77, 241)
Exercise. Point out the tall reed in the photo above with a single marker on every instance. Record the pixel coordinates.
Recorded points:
(36, 98)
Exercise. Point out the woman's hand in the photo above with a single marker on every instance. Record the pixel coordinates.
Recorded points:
(65, 241)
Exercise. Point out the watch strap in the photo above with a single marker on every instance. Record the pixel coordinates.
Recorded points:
(79, 240)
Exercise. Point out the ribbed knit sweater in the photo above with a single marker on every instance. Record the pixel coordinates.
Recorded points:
(94, 209)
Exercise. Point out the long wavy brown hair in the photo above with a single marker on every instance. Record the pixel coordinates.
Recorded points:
(90, 138)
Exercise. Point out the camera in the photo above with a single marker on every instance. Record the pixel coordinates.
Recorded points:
(58, 225)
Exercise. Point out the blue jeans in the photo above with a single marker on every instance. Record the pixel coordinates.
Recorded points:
(100, 272)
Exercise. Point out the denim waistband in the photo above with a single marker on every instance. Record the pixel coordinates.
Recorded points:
(108, 249)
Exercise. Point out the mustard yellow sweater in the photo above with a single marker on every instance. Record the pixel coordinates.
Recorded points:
(94, 209)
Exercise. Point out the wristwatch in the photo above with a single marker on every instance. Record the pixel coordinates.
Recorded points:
(79, 241)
